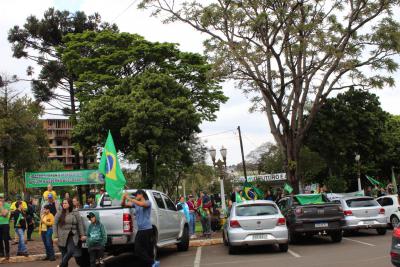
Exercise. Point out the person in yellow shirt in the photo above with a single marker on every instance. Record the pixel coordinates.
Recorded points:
(49, 191)
(19, 199)
(46, 231)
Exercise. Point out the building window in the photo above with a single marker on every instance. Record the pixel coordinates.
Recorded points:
(50, 141)
(59, 142)
(59, 152)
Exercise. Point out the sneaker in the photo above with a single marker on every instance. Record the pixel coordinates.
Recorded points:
(156, 264)
(46, 259)
(52, 259)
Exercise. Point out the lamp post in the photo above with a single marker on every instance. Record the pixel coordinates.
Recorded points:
(220, 165)
(357, 158)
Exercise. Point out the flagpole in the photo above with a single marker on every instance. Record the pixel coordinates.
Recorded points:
(241, 149)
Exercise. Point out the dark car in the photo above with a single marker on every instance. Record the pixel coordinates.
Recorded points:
(395, 251)
(312, 214)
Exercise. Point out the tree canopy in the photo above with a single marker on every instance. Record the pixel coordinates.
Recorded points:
(151, 96)
(294, 54)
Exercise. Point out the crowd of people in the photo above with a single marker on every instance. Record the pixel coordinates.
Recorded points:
(58, 222)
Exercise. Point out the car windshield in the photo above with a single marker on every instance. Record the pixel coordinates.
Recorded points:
(256, 210)
(361, 203)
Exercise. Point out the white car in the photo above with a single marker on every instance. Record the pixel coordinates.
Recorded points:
(392, 208)
(253, 223)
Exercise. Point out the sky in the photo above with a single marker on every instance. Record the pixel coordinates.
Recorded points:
(223, 131)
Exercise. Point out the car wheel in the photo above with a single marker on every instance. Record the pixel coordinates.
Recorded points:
(284, 247)
(232, 250)
(381, 231)
(394, 221)
(337, 236)
(294, 237)
(184, 244)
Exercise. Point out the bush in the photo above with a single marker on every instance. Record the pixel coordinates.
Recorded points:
(336, 184)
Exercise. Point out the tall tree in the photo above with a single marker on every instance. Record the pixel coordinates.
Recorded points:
(23, 142)
(294, 53)
(40, 41)
(353, 122)
(150, 95)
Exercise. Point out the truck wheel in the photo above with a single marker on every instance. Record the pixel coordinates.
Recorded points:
(183, 245)
(232, 250)
(337, 236)
(284, 247)
(83, 260)
(381, 231)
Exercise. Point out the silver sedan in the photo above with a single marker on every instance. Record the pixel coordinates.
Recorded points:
(363, 213)
(253, 223)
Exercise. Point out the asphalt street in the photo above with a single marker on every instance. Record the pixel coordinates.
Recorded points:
(361, 250)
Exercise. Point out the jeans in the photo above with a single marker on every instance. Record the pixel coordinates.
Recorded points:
(48, 243)
(192, 223)
(144, 243)
(30, 230)
(95, 253)
(21, 241)
(206, 224)
(4, 240)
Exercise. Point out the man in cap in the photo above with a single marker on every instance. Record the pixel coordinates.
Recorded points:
(4, 228)
(53, 204)
(144, 241)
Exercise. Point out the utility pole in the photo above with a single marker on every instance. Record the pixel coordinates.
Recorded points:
(241, 149)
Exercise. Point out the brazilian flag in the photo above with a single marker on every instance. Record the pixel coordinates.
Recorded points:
(109, 167)
(251, 192)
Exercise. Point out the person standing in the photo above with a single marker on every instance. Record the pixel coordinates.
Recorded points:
(4, 228)
(144, 240)
(68, 230)
(53, 204)
(49, 191)
(204, 204)
(96, 239)
(75, 203)
(30, 220)
(99, 195)
(192, 213)
(20, 227)
(46, 232)
(184, 208)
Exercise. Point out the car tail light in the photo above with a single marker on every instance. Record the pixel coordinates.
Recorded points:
(234, 224)
(396, 232)
(127, 223)
(394, 255)
(348, 213)
(281, 221)
(382, 211)
(298, 211)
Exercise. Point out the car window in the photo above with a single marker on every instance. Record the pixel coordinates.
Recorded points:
(170, 204)
(361, 203)
(385, 201)
(159, 201)
(256, 210)
(282, 204)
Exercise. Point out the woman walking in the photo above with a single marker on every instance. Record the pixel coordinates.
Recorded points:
(46, 232)
(68, 231)
(20, 227)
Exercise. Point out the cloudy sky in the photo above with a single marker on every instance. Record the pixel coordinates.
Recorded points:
(234, 113)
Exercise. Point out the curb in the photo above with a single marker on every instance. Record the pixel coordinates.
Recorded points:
(205, 242)
(30, 258)
(40, 257)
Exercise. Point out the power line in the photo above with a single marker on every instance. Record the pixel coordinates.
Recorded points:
(123, 12)
(204, 136)
(248, 139)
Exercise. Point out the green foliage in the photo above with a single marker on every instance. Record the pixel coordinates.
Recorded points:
(151, 96)
(294, 54)
(336, 184)
(50, 165)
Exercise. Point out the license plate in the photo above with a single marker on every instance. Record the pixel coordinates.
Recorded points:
(260, 237)
(321, 225)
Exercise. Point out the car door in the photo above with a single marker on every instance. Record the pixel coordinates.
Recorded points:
(173, 218)
(163, 217)
(388, 204)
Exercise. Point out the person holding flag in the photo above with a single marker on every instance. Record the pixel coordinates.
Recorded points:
(110, 168)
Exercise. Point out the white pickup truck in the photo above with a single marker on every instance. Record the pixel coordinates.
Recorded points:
(170, 225)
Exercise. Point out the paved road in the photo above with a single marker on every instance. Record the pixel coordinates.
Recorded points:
(366, 249)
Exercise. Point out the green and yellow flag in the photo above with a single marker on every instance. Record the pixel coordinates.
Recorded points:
(288, 188)
(109, 167)
(251, 192)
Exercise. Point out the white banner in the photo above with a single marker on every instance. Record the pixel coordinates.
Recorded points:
(262, 178)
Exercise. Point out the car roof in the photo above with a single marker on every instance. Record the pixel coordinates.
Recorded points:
(358, 197)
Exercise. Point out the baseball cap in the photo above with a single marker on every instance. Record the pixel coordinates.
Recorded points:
(50, 195)
(90, 215)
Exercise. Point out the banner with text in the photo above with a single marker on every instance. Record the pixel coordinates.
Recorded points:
(262, 178)
(63, 178)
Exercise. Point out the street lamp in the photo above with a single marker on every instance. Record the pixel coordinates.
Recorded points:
(220, 165)
(357, 158)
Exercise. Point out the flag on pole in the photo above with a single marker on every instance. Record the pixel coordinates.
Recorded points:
(251, 192)
(288, 188)
(110, 168)
(394, 182)
(373, 181)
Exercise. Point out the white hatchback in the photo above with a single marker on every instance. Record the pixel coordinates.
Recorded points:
(392, 208)
(252, 223)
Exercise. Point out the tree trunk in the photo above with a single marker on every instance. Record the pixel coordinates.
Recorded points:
(149, 172)
(5, 175)
(292, 159)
